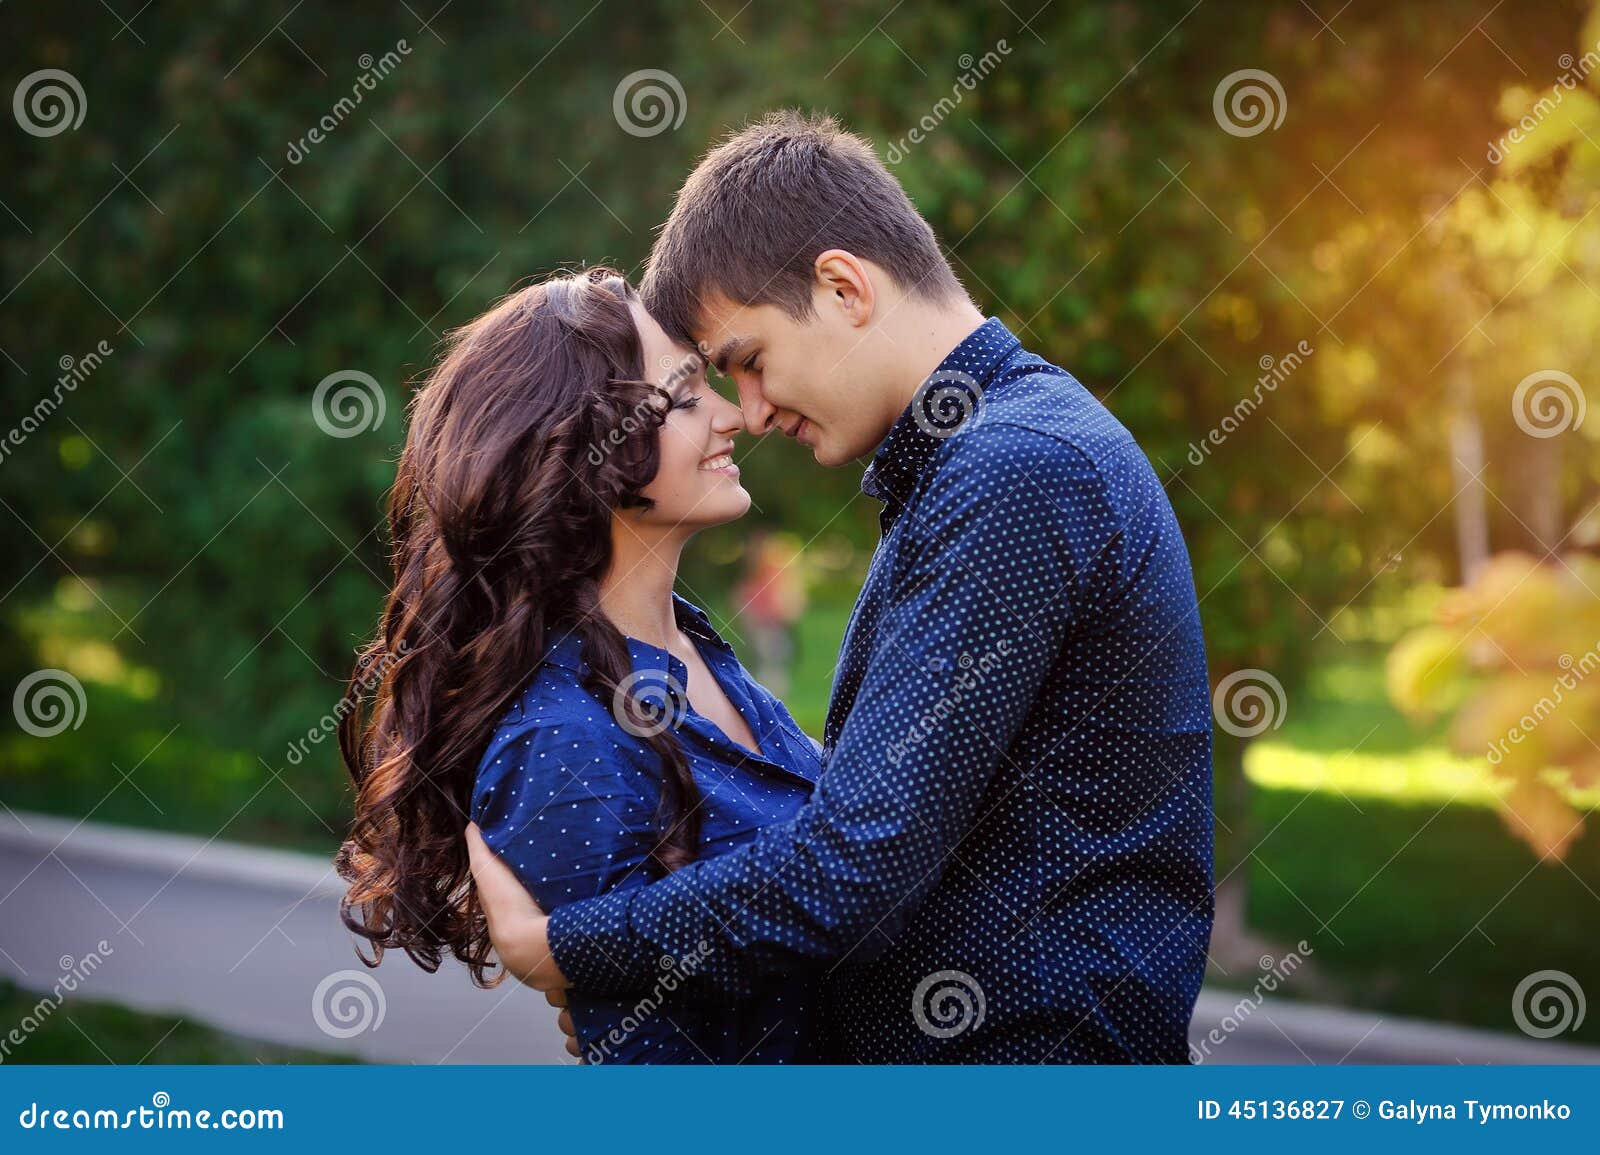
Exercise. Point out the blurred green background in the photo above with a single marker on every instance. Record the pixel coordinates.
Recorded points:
(184, 539)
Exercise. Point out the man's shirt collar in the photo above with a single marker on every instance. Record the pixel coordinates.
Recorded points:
(950, 397)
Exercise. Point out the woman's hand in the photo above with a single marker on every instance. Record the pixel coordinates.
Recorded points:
(517, 926)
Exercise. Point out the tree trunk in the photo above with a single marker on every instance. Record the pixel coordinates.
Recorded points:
(1466, 463)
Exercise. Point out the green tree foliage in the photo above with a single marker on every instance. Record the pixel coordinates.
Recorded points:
(184, 497)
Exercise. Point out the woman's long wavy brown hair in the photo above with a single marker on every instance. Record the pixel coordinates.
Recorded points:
(536, 425)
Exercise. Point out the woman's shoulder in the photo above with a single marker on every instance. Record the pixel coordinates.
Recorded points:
(535, 729)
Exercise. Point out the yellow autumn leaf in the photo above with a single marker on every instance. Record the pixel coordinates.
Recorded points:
(1538, 815)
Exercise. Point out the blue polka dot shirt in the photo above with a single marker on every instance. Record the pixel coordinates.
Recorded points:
(568, 798)
(1007, 857)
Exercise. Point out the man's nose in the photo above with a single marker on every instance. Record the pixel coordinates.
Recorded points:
(759, 413)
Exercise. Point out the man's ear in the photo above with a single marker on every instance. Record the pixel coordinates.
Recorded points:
(845, 283)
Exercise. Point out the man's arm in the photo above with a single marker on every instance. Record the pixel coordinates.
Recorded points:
(998, 552)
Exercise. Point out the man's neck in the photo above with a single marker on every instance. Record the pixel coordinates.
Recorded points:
(929, 333)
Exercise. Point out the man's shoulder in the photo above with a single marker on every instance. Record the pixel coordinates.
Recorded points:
(1034, 416)
(1033, 394)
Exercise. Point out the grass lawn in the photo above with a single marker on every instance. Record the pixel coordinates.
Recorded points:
(1382, 850)
(80, 1031)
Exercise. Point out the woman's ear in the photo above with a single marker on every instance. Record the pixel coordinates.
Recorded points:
(843, 279)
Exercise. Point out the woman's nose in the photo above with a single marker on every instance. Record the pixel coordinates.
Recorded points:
(728, 418)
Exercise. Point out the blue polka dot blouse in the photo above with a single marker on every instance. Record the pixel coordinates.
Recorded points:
(1007, 857)
(568, 798)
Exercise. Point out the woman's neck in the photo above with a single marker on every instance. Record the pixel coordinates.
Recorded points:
(636, 592)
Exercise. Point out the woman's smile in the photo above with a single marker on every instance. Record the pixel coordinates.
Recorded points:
(722, 463)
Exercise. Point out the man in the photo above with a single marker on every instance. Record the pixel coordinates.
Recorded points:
(1008, 855)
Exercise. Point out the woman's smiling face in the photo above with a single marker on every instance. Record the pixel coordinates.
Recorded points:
(696, 483)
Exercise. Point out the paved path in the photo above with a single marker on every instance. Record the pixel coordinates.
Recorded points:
(243, 938)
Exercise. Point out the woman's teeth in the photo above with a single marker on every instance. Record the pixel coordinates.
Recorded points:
(715, 463)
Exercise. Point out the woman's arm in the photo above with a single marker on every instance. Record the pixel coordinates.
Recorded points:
(516, 921)
(563, 814)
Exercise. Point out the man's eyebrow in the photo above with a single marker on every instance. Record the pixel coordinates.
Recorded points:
(726, 350)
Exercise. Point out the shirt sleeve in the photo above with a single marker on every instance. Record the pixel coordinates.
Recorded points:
(998, 556)
(574, 817)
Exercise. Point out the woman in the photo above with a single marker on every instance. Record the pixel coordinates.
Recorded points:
(536, 673)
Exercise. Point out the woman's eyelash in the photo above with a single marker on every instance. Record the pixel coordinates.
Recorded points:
(689, 402)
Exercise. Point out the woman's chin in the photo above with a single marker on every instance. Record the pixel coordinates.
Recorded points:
(736, 504)
(718, 509)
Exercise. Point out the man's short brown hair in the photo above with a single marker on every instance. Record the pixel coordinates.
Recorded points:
(755, 213)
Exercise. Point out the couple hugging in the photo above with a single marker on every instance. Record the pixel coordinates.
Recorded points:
(1000, 850)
